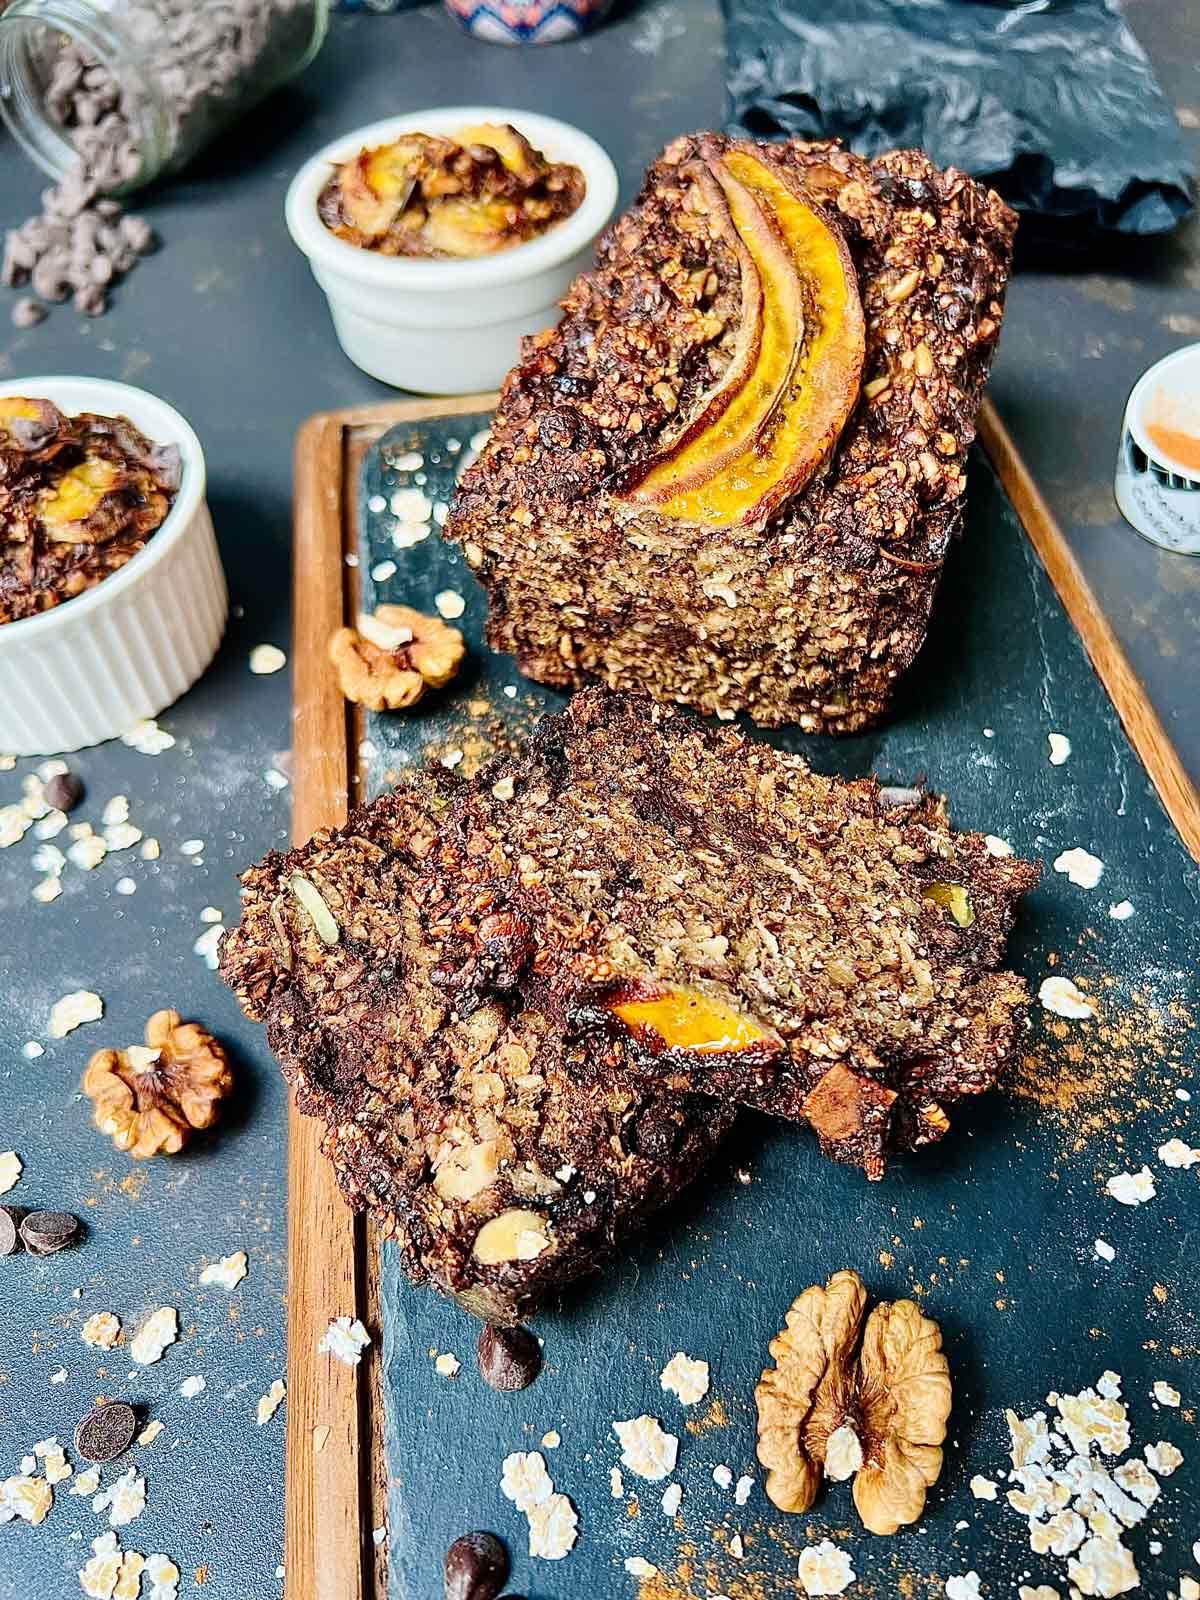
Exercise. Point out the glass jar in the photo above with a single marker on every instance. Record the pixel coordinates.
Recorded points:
(131, 90)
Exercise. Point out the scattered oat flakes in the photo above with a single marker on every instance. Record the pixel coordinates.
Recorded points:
(88, 850)
(192, 1388)
(1122, 911)
(270, 1402)
(742, 1488)
(47, 890)
(160, 1329)
(450, 604)
(722, 1476)
(686, 1378)
(646, 1449)
(616, 1484)
(524, 1479)
(25, 1496)
(1082, 868)
(265, 659)
(1164, 1394)
(378, 1535)
(101, 1330)
(1132, 1188)
(553, 1526)
(98, 1578)
(125, 886)
(964, 1587)
(60, 1376)
(1060, 749)
(124, 1500)
(345, 1338)
(1104, 1250)
(410, 505)
(1103, 1567)
(996, 846)
(672, 1495)
(32, 1049)
(226, 1273)
(1163, 1458)
(73, 1010)
(447, 1365)
(10, 1170)
(1177, 1154)
(383, 570)
(207, 946)
(86, 1483)
(982, 1488)
(639, 1567)
(150, 1432)
(824, 1569)
(151, 850)
(551, 1440)
(1061, 996)
(147, 738)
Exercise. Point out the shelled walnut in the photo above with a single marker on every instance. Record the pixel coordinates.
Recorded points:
(875, 1413)
(393, 655)
(150, 1097)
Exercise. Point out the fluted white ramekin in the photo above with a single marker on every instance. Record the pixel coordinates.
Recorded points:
(91, 668)
(449, 327)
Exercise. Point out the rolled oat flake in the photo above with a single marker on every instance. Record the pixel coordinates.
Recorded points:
(477, 1567)
(44, 1232)
(10, 1222)
(106, 1432)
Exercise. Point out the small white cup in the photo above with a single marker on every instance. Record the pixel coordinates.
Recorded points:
(125, 649)
(445, 326)
(1158, 494)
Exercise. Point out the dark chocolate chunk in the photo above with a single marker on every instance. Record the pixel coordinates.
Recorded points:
(509, 1358)
(10, 1222)
(107, 1431)
(477, 1567)
(44, 1232)
(64, 791)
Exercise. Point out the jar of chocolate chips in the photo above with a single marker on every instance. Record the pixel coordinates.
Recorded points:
(108, 95)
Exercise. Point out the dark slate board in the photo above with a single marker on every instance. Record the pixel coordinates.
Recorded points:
(994, 1227)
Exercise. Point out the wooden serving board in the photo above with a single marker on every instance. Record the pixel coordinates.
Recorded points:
(993, 1228)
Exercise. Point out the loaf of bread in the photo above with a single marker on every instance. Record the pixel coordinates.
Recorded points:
(730, 475)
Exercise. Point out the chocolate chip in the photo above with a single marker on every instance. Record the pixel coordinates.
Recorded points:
(10, 1222)
(476, 1567)
(106, 1432)
(44, 1232)
(509, 1358)
(64, 791)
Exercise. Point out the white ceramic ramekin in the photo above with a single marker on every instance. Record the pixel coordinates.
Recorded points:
(89, 669)
(449, 327)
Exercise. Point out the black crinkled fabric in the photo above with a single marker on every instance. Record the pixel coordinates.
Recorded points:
(1052, 102)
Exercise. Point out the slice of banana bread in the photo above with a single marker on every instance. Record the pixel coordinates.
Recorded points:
(526, 1004)
(700, 912)
(500, 1171)
(730, 475)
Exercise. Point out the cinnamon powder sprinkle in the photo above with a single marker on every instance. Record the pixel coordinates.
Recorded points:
(1098, 1076)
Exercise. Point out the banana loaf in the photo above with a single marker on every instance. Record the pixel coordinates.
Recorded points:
(730, 475)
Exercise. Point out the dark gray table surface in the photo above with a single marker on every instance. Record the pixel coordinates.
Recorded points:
(228, 325)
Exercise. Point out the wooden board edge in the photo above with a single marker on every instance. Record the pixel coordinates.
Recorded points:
(324, 1532)
(1142, 724)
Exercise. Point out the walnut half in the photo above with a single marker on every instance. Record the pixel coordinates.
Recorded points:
(149, 1097)
(393, 655)
(877, 1414)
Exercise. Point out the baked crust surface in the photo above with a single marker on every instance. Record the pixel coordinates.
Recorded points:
(810, 618)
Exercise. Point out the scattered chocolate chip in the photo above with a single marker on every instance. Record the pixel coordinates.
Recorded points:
(106, 1432)
(509, 1358)
(64, 791)
(10, 1222)
(44, 1232)
(477, 1567)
